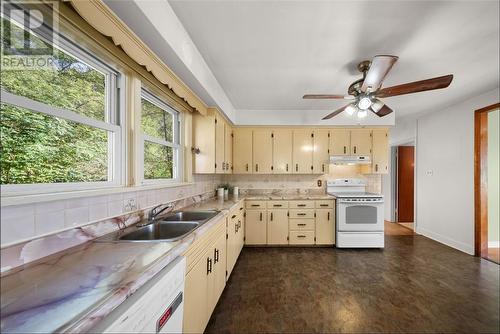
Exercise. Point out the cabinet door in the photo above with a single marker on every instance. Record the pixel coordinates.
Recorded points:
(231, 245)
(302, 151)
(204, 140)
(219, 145)
(218, 270)
(321, 154)
(282, 151)
(325, 226)
(380, 158)
(262, 151)
(228, 148)
(340, 142)
(256, 227)
(361, 141)
(242, 151)
(196, 297)
(241, 235)
(277, 227)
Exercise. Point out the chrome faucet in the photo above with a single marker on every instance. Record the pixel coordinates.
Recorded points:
(155, 212)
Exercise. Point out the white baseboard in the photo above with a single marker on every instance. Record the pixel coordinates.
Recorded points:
(461, 246)
(493, 244)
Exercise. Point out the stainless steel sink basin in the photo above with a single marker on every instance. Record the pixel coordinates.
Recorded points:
(168, 231)
(190, 216)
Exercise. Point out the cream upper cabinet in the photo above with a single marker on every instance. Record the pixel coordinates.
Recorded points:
(321, 151)
(228, 148)
(277, 227)
(340, 142)
(282, 151)
(380, 158)
(204, 141)
(242, 151)
(302, 151)
(325, 226)
(361, 141)
(219, 145)
(256, 227)
(262, 151)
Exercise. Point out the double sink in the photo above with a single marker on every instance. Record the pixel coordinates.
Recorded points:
(172, 227)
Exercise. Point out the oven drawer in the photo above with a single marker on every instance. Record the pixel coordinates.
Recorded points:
(324, 204)
(360, 239)
(301, 224)
(301, 237)
(294, 213)
(277, 205)
(301, 204)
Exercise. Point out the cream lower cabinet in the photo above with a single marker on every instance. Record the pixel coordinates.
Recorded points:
(325, 226)
(255, 227)
(277, 227)
(205, 278)
(235, 237)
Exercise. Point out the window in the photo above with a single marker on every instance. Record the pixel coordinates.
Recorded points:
(59, 124)
(160, 138)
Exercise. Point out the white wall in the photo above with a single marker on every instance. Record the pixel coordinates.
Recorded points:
(445, 172)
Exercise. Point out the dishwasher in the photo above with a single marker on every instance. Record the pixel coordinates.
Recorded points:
(157, 307)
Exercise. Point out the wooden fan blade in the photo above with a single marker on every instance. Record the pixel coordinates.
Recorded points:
(379, 67)
(335, 113)
(385, 110)
(416, 86)
(327, 96)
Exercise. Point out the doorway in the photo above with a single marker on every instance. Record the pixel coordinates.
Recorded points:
(405, 186)
(486, 182)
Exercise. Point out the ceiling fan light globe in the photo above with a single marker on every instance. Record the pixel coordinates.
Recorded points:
(364, 103)
(350, 109)
(362, 113)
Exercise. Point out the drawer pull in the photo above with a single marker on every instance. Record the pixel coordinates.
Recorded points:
(234, 216)
(301, 214)
(255, 205)
(209, 265)
(277, 205)
(323, 205)
(301, 205)
(301, 236)
(301, 224)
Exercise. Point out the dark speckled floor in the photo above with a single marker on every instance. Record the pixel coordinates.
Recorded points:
(413, 285)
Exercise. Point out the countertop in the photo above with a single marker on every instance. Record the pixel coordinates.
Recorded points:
(73, 290)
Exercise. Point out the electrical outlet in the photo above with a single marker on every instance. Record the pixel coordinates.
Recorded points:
(131, 205)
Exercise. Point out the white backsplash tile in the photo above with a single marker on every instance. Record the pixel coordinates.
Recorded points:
(76, 216)
(98, 211)
(49, 207)
(17, 228)
(49, 222)
(115, 208)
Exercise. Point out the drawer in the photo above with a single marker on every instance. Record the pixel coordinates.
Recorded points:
(301, 204)
(255, 204)
(301, 237)
(277, 205)
(301, 224)
(324, 204)
(295, 213)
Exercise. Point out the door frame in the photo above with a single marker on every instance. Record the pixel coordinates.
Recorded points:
(481, 179)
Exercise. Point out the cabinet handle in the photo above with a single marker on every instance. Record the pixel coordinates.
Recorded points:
(376, 167)
(301, 224)
(277, 205)
(328, 215)
(354, 149)
(345, 149)
(287, 167)
(301, 205)
(323, 205)
(247, 167)
(209, 265)
(301, 214)
(271, 216)
(216, 255)
(255, 205)
(235, 228)
(241, 208)
(256, 167)
(261, 216)
(296, 167)
(301, 236)
(234, 216)
(323, 168)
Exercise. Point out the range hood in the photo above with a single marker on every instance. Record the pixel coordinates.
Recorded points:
(350, 159)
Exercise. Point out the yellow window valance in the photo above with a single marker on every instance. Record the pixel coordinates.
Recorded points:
(102, 18)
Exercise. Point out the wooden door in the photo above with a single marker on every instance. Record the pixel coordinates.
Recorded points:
(219, 145)
(282, 151)
(302, 151)
(340, 142)
(228, 148)
(406, 156)
(262, 151)
(196, 297)
(361, 142)
(277, 227)
(325, 226)
(380, 155)
(242, 151)
(321, 151)
(256, 227)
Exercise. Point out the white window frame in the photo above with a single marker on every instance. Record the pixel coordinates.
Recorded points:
(113, 123)
(178, 153)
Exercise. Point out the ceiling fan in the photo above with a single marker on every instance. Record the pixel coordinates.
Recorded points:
(366, 91)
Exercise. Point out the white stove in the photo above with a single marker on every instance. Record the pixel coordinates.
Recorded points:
(360, 214)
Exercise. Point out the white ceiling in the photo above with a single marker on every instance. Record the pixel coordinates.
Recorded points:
(267, 54)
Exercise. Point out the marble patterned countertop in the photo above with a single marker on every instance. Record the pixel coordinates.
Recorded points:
(73, 290)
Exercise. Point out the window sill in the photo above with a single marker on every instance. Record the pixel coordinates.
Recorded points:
(9, 200)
